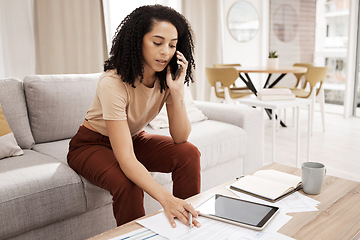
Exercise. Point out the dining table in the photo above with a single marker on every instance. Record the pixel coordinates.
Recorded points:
(281, 70)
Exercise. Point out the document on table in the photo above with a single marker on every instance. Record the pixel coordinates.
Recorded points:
(296, 202)
(210, 229)
(140, 234)
(158, 227)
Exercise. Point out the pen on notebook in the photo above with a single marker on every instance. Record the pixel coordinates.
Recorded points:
(190, 218)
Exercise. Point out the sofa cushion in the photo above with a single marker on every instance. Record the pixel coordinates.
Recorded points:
(12, 100)
(8, 144)
(36, 190)
(95, 196)
(249, 119)
(57, 149)
(57, 104)
(218, 142)
(215, 140)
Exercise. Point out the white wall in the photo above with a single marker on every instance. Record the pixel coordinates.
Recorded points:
(289, 51)
(253, 52)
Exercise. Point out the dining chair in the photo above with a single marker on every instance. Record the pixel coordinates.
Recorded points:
(300, 75)
(299, 83)
(221, 79)
(315, 77)
(222, 65)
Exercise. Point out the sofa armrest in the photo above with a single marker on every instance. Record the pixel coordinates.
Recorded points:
(249, 119)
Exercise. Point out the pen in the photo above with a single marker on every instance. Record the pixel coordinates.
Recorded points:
(239, 177)
(190, 218)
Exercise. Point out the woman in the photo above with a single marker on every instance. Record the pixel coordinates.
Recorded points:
(110, 149)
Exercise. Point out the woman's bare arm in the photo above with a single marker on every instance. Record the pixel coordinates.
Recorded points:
(179, 124)
(121, 143)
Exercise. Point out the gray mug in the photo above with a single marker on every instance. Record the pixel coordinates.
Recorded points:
(313, 174)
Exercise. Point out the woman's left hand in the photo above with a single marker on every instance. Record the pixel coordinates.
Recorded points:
(178, 82)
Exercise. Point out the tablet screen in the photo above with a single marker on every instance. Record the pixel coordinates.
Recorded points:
(238, 210)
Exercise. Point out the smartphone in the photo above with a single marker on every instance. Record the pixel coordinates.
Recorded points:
(177, 73)
(237, 211)
(175, 68)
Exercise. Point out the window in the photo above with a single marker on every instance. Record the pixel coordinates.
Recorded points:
(333, 46)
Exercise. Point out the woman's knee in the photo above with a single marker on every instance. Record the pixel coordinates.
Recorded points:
(189, 153)
(192, 150)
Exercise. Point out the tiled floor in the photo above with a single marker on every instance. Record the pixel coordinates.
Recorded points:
(338, 148)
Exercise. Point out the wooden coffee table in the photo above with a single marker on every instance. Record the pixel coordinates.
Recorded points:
(338, 216)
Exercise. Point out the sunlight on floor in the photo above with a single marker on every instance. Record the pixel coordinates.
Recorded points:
(337, 148)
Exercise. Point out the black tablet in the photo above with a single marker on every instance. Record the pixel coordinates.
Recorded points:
(236, 211)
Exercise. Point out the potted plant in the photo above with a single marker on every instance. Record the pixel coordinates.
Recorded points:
(273, 60)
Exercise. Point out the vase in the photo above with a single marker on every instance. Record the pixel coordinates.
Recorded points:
(273, 63)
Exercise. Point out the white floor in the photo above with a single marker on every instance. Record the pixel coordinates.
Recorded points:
(338, 148)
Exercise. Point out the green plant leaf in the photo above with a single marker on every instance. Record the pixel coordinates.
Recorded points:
(272, 54)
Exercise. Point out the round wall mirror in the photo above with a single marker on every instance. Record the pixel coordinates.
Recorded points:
(243, 21)
(285, 23)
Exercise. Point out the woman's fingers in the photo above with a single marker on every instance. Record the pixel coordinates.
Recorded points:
(183, 217)
(196, 223)
(181, 60)
(172, 221)
(181, 210)
(191, 210)
(179, 215)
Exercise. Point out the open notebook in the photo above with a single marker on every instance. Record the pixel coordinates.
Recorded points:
(270, 185)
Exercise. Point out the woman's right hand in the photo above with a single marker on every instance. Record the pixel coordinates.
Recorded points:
(178, 208)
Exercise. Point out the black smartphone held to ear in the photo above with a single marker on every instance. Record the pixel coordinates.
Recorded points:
(175, 68)
(177, 73)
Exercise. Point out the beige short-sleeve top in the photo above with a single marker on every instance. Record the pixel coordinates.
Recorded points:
(117, 100)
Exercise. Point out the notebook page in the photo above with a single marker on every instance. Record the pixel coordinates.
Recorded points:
(286, 178)
(262, 187)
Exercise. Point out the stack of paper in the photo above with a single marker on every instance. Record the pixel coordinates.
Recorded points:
(158, 226)
(210, 229)
(295, 202)
(271, 94)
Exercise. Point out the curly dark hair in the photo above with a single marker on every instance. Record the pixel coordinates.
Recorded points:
(126, 51)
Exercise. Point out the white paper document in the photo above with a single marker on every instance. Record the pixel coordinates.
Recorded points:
(210, 229)
(158, 226)
(295, 202)
(140, 234)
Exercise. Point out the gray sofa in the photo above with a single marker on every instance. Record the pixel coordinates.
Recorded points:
(41, 197)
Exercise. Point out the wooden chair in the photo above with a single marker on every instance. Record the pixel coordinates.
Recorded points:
(221, 79)
(300, 75)
(221, 65)
(314, 76)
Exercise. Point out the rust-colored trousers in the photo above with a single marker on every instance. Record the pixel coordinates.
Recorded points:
(91, 156)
